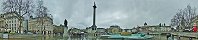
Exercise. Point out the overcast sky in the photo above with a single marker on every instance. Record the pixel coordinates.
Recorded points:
(125, 13)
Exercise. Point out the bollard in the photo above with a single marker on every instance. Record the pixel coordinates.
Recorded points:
(190, 38)
(179, 38)
(172, 37)
(168, 36)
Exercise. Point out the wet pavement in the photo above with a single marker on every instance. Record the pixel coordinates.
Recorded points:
(82, 37)
(55, 37)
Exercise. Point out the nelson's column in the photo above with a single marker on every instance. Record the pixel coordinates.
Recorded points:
(94, 27)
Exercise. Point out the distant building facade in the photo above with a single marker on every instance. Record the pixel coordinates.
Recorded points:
(58, 29)
(10, 22)
(41, 24)
(101, 31)
(114, 29)
(155, 28)
(89, 30)
(2, 24)
(126, 30)
(74, 30)
(25, 26)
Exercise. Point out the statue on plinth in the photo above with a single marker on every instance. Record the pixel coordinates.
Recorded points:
(65, 28)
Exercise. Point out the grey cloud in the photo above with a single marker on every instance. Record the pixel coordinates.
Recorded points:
(126, 13)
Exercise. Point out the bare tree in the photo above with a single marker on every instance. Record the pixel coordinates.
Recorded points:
(9, 5)
(22, 7)
(41, 13)
(177, 20)
(189, 14)
(28, 7)
(183, 18)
